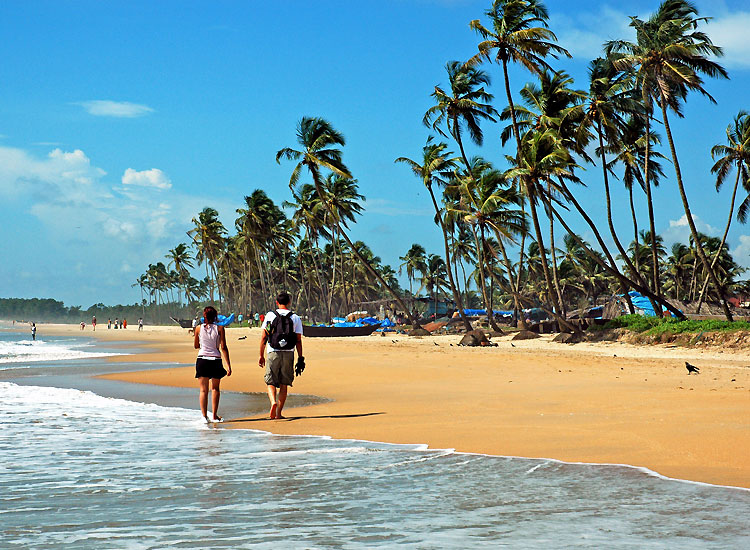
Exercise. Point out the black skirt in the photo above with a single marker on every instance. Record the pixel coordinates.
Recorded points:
(209, 368)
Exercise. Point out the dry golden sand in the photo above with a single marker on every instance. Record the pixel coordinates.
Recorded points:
(603, 402)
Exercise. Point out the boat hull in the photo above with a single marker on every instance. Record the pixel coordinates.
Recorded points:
(327, 332)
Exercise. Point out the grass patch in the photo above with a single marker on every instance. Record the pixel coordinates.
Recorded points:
(656, 326)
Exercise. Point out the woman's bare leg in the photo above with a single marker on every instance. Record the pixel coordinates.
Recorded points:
(203, 396)
(215, 398)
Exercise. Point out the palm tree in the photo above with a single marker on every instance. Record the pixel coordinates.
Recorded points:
(319, 139)
(179, 258)
(670, 55)
(610, 95)
(519, 34)
(736, 154)
(632, 151)
(433, 277)
(490, 203)
(208, 238)
(466, 105)
(436, 165)
(414, 260)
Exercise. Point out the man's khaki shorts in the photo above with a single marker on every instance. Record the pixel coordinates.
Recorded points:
(279, 368)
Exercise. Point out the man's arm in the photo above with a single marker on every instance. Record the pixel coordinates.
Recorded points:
(263, 340)
(299, 345)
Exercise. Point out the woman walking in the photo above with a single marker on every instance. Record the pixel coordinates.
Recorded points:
(211, 340)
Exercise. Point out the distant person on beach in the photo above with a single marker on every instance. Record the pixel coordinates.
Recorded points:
(211, 340)
(140, 323)
(256, 318)
(282, 333)
(83, 325)
(117, 322)
(109, 323)
(93, 322)
(33, 331)
(195, 324)
(124, 323)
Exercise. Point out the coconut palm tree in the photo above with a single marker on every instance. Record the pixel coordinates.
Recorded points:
(670, 55)
(208, 238)
(415, 260)
(179, 258)
(518, 34)
(466, 105)
(319, 140)
(491, 203)
(435, 168)
(631, 150)
(736, 154)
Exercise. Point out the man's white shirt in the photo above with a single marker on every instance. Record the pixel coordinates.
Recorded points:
(271, 315)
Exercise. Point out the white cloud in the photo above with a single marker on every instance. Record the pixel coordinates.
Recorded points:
(147, 178)
(583, 34)
(741, 253)
(118, 109)
(679, 231)
(730, 31)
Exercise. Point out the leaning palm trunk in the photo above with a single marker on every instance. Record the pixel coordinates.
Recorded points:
(555, 277)
(514, 284)
(723, 240)
(373, 271)
(651, 222)
(451, 280)
(482, 278)
(610, 222)
(612, 268)
(693, 230)
(542, 254)
(636, 259)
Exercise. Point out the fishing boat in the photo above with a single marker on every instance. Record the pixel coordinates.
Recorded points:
(325, 331)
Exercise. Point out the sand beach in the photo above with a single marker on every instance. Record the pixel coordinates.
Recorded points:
(591, 402)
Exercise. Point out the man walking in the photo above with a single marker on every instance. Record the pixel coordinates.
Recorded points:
(282, 333)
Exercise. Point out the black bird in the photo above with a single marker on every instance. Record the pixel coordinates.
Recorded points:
(241, 337)
(692, 368)
(436, 343)
(511, 345)
(394, 341)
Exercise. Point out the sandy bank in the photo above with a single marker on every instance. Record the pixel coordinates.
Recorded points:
(603, 402)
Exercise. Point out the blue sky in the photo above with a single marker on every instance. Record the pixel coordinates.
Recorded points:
(120, 121)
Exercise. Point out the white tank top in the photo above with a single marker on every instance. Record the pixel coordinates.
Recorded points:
(209, 340)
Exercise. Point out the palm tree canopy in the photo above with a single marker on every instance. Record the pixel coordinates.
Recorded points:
(466, 105)
(318, 139)
(735, 154)
(519, 34)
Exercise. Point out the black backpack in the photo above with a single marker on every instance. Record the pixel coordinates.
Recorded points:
(281, 333)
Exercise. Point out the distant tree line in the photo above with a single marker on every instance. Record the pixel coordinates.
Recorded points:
(55, 311)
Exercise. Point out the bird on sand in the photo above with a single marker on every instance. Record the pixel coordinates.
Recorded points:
(692, 368)
(436, 343)
(511, 345)
(394, 341)
(241, 337)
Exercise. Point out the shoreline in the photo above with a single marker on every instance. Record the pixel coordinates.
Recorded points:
(602, 403)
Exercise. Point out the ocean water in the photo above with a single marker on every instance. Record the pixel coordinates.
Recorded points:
(80, 470)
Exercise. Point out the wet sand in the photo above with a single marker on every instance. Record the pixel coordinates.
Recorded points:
(603, 402)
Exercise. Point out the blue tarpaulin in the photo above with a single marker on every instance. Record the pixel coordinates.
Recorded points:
(222, 320)
(640, 302)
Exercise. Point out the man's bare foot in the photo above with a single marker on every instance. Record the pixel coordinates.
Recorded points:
(279, 417)
(272, 413)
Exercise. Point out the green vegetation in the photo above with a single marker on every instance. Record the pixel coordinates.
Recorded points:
(656, 326)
